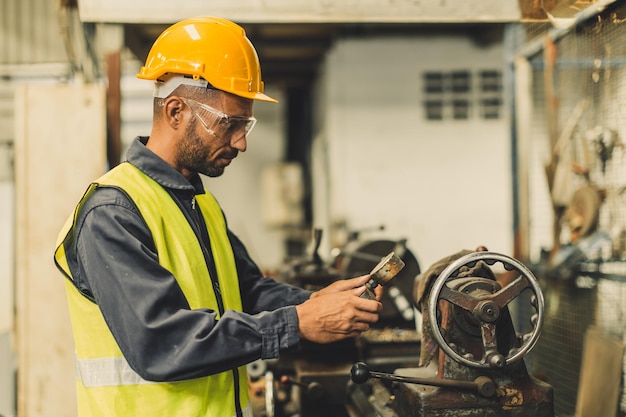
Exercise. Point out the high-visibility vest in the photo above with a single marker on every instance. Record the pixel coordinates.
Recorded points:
(106, 384)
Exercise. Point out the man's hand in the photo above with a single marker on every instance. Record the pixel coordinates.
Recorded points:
(347, 284)
(337, 312)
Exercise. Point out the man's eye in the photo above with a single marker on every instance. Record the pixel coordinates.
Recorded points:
(235, 125)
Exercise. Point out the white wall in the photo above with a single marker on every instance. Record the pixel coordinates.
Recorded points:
(445, 185)
(58, 150)
(239, 189)
(7, 360)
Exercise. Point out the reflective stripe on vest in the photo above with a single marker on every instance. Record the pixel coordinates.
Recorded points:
(116, 371)
(107, 372)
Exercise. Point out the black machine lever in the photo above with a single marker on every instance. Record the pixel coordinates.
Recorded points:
(483, 385)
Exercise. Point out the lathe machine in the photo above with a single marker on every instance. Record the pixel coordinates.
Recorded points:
(471, 359)
(468, 360)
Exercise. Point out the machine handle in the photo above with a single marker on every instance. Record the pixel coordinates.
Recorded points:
(486, 309)
(483, 385)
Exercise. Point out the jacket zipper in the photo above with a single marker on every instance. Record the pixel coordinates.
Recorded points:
(208, 257)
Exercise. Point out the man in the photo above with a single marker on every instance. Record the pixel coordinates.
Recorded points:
(167, 307)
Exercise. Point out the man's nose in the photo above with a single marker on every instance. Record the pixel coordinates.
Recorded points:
(239, 142)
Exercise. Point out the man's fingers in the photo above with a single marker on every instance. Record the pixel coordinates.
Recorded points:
(365, 304)
(342, 285)
(359, 290)
(362, 280)
(366, 318)
(348, 284)
(379, 290)
(337, 315)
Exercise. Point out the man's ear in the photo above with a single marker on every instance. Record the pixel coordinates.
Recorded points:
(172, 110)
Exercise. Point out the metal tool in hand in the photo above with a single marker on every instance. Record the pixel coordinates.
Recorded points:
(382, 274)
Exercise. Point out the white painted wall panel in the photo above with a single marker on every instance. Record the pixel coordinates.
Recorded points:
(444, 186)
(30, 32)
(7, 357)
(7, 219)
(58, 150)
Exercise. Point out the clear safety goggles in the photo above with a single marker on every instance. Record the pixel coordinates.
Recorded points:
(218, 123)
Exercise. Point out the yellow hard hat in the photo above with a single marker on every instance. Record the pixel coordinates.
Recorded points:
(205, 49)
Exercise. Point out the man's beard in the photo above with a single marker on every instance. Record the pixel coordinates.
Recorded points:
(193, 154)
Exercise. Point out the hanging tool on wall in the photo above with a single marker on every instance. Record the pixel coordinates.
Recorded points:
(604, 142)
(563, 181)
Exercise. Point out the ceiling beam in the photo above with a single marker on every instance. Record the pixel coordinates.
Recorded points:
(302, 11)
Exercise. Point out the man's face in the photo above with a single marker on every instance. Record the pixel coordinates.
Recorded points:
(215, 134)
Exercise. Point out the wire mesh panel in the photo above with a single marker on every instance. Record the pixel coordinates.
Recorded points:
(557, 356)
(577, 141)
(579, 103)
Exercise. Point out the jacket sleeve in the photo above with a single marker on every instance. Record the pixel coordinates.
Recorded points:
(160, 336)
(260, 293)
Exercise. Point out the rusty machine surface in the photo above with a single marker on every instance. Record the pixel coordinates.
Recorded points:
(471, 359)
(466, 360)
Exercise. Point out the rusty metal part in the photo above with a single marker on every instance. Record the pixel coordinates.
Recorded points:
(486, 308)
(383, 273)
(387, 268)
(374, 400)
(516, 395)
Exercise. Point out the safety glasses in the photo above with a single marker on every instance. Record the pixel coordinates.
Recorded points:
(220, 124)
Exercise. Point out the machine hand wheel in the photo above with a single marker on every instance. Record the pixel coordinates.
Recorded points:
(486, 309)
